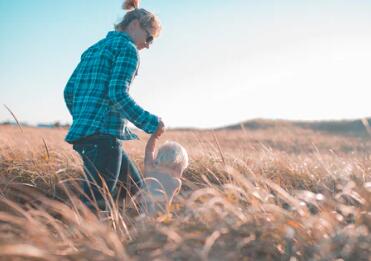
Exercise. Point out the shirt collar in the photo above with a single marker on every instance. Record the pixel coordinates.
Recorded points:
(120, 34)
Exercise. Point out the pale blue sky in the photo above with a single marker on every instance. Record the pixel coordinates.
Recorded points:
(215, 63)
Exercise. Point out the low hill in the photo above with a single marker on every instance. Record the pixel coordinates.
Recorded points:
(357, 127)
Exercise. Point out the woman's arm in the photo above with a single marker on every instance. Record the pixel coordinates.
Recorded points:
(123, 69)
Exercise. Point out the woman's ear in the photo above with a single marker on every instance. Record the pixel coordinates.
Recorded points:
(135, 23)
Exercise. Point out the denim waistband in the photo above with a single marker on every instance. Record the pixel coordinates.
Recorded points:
(94, 138)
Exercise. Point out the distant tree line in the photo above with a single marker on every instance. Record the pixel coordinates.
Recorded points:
(56, 124)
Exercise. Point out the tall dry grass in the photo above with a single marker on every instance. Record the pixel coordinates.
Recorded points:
(281, 194)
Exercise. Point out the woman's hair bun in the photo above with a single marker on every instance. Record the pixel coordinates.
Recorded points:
(130, 4)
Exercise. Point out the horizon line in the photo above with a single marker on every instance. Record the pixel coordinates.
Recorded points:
(57, 124)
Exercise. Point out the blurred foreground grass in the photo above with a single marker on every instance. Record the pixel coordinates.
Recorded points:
(275, 194)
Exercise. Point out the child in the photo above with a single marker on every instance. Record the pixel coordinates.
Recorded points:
(162, 173)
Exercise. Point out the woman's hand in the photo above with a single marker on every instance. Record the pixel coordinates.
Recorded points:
(160, 130)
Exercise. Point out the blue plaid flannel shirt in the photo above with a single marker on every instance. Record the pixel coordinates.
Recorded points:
(97, 93)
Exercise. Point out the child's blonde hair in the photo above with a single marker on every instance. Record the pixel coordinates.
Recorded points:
(146, 19)
(172, 155)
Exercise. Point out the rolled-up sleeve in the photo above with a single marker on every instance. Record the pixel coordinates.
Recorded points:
(123, 70)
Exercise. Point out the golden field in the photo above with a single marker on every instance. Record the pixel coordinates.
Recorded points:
(281, 193)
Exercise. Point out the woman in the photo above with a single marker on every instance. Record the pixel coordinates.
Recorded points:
(97, 96)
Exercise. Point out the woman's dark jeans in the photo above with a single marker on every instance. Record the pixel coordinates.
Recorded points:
(104, 158)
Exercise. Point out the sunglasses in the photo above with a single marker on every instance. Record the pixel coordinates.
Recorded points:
(149, 39)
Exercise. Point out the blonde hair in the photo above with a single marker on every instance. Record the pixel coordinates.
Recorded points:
(172, 155)
(146, 19)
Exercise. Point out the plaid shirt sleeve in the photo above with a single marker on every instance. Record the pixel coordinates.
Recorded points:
(123, 71)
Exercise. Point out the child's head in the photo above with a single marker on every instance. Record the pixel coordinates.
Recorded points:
(173, 156)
